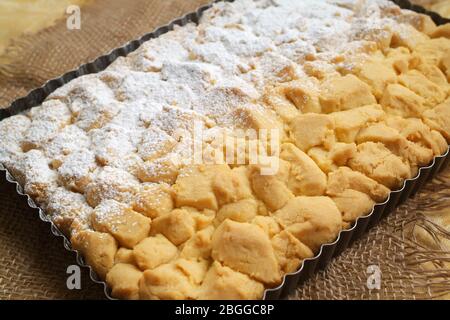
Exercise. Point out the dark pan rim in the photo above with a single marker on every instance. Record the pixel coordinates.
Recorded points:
(437, 18)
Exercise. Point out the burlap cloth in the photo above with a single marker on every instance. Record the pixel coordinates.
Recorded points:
(408, 247)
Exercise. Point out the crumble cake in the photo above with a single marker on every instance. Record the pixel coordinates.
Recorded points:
(440, 6)
(355, 95)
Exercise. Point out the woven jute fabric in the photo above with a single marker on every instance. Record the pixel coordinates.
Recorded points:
(409, 248)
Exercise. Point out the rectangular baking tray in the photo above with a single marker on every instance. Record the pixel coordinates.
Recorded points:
(290, 280)
(437, 18)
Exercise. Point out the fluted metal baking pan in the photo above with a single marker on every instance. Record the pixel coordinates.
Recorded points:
(291, 280)
(437, 18)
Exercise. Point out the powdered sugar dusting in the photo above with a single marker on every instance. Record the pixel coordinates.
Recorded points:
(65, 206)
(108, 209)
(122, 126)
(111, 183)
(78, 165)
